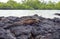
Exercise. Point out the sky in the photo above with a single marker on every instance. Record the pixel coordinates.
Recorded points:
(21, 0)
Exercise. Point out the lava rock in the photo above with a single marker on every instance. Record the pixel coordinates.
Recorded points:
(5, 35)
(57, 14)
(41, 28)
(21, 30)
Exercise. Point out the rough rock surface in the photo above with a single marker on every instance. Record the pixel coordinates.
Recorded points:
(45, 28)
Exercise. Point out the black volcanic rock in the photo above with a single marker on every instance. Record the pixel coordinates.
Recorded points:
(46, 28)
(57, 14)
(19, 30)
(4, 34)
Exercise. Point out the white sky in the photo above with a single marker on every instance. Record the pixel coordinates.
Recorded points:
(21, 0)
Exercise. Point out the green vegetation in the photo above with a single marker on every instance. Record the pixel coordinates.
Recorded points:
(30, 5)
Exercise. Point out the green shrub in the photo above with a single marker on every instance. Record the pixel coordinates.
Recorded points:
(30, 5)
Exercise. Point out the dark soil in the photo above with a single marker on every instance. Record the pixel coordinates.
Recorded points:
(40, 28)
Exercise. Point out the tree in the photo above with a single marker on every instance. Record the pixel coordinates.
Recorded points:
(57, 5)
(12, 3)
(32, 3)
